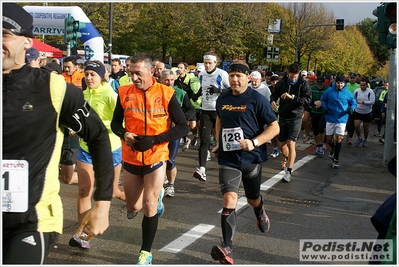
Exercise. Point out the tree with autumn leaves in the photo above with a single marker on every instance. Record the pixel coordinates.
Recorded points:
(188, 30)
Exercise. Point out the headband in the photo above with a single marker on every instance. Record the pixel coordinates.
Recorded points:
(210, 57)
(238, 68)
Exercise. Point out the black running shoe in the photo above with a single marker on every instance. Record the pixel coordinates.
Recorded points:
(223, 254)
(262, 220)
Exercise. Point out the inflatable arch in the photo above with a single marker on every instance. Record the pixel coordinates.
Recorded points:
(49, 20)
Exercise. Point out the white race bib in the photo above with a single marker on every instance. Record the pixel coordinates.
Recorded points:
(230, 138)
(15, 185)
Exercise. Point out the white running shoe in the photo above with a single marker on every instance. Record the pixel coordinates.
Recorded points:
(287, 177)
(200, 175)
(186, 144)
(275, 153)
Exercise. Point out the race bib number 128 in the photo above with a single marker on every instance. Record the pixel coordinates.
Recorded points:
(14, 185)
(230, 138)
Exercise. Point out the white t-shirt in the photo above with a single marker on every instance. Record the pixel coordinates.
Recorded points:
(368, 97)
(218, 78)
(263, 89)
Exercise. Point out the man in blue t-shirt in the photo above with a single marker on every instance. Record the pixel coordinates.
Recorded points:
(242, 113)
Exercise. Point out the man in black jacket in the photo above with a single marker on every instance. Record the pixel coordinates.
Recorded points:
(37, 105)
(294, 92)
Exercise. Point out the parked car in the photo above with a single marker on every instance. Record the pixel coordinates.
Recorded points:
(377, 104)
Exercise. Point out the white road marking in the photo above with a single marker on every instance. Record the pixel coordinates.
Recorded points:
(188, 238)
(192, 235)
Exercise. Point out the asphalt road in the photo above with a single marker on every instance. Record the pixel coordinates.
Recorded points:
(318, 203)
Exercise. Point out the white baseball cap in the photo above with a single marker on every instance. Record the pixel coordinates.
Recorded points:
(256, 75)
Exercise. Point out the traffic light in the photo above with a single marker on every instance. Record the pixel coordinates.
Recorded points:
(71, 30)
(339, 24)
(386, 24)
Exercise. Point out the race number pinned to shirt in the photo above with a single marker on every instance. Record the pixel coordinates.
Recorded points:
(15, 185)
(230, 138)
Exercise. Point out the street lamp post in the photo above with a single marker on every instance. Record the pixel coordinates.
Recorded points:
(308, 26)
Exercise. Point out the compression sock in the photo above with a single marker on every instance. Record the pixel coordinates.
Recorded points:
(337, 150)
(229, 222)
(149, 227)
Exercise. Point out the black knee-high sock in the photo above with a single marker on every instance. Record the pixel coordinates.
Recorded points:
(337, 150)
(149, 227)
(332, 144)
(229, 222)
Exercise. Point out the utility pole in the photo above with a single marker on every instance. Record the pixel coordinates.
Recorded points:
(389, 148)
(110, 33)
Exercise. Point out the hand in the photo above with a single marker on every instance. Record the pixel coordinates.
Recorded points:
(274, 105)
(95, 222)
(145, 142)
(350, 111)
(215, 150)
(327, 111)
(213, 89)
(130, 139)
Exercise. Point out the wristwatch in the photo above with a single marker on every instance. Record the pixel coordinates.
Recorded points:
(255, 142)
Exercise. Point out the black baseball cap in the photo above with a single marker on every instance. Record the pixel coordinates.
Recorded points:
(17, 20)
(320, 79)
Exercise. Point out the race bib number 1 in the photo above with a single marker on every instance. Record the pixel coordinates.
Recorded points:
(230, 138)
(15, 185)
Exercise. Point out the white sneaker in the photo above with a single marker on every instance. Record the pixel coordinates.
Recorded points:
(169, 191)
(287, 177)
(186, 144)
(275, 153)
(200, 174)
(208, 156)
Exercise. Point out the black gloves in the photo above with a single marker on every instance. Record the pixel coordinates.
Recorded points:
(350, 111)
(196, 96)
(327, 111)
(145, 142)
(213, 90)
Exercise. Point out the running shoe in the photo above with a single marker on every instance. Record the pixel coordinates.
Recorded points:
(223, 254)
(287, 177)
(331, 155)
(365, 143)
(275, 153)
(195, 141)
(335, 164)
(169, 191)
(160, 205)
(186, 144)
(284, 164)
(377, 134)
(145, 258)
(350, 141)
(262, 220)
(307, 138)
(358, 141)
(76, 241)
(200, 175)
(208, 156)
(129, 214)
(319, 151)
(324, 146)
(382, 140)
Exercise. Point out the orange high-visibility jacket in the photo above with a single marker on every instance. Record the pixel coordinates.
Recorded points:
(146, 114)
(75, 79)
